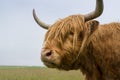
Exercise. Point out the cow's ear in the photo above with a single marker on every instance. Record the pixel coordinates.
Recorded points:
(91, 26)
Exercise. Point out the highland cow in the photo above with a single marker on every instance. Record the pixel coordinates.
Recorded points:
(79, 42)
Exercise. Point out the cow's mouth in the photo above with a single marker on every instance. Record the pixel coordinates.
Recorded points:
(49, 64)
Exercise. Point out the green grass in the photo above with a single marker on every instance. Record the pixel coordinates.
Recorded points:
(37, 73)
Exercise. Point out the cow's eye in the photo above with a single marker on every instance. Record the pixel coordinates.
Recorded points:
(71, 33)
(81, 36)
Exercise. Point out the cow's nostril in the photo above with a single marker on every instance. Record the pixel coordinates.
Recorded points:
(46, 53)
(49, 54)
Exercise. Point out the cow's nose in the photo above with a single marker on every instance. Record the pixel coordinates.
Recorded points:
(46, 53)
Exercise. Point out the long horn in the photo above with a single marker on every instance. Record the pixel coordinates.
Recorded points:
(98, 11)
(42, 24)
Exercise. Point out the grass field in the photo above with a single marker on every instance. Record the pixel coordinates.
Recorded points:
(37, 73)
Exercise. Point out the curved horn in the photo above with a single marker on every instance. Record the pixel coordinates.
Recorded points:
(98, 11)
(42, 24)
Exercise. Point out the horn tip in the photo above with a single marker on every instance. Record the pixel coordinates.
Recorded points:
(33, 10)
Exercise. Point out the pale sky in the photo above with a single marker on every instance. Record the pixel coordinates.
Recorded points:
(21, 38)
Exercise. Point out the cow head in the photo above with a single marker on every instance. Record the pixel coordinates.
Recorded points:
(66, 39)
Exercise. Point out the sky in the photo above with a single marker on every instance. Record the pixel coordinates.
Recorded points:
(21, 38)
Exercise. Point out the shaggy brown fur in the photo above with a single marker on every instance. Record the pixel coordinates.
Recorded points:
(88, 46)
